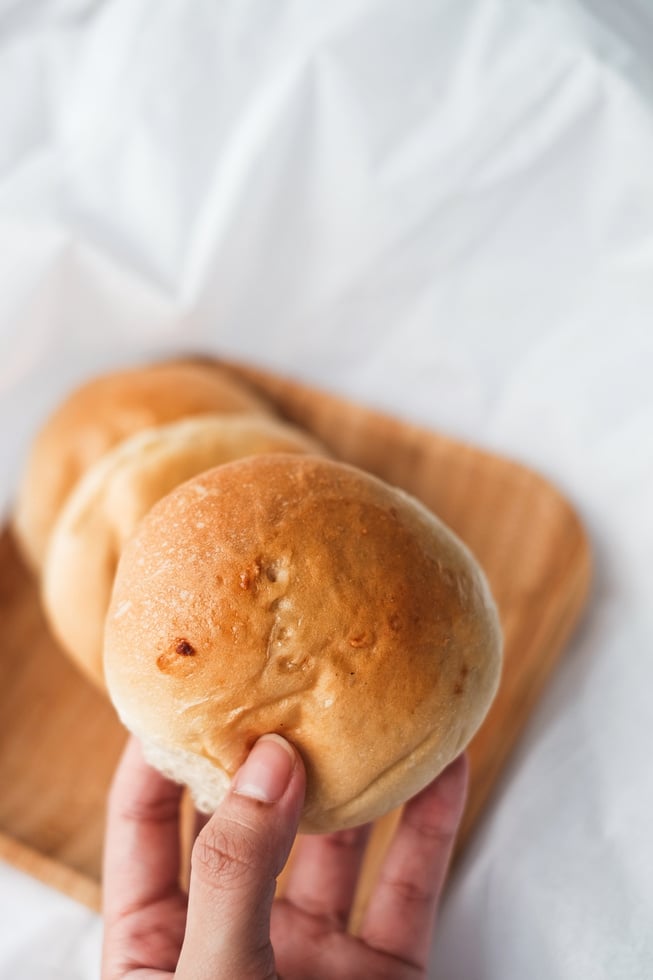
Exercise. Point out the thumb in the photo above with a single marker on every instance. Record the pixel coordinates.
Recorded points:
(235, 861)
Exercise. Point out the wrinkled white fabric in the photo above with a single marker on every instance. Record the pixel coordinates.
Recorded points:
(443, 208)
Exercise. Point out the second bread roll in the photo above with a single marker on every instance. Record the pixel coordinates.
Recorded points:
(112, 497)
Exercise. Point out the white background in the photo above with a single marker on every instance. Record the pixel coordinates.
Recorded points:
(444, 209)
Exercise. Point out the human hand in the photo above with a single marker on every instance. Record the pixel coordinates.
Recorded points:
(230, 925)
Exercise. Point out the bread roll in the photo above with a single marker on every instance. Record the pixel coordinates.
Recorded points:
(100, 414)
(115, 493)
(301, 596)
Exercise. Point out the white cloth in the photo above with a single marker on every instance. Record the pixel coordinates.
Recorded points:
(444, 209)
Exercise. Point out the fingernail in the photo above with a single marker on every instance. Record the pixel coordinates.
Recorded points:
(266, 772)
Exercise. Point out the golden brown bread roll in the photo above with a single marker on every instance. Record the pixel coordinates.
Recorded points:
(302, 596)
(100, 414)
(115, 493)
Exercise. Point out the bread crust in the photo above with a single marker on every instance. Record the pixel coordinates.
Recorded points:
(115, 493)
(103, 412)
(305, 597)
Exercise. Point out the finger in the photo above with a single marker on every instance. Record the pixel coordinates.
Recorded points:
(141, 852)
(324, 874)
(235, 861)
(401, 913)
(143, 909)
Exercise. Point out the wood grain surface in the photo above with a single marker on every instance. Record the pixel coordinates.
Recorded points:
(60, 739)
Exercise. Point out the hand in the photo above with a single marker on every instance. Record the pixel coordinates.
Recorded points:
(230, 925)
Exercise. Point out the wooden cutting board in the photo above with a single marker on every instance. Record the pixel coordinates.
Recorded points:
(60, 740)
